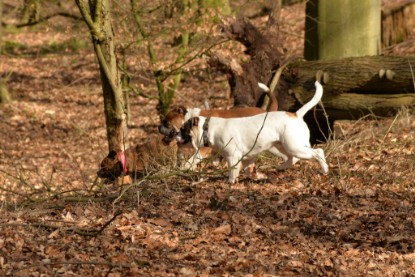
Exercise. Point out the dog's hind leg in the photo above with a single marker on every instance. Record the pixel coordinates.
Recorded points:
(321, 159)
(278, 153)
(290, 161)
(307, 152)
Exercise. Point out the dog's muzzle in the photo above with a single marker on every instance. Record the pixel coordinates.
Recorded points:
(169, 134)
(183, 136)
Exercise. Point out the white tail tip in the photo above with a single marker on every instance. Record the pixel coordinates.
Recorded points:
(263, 87)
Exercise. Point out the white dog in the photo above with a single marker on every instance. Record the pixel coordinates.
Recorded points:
(240, 140)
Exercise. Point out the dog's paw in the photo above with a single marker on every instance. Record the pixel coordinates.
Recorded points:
(259, 176)
(283, 166)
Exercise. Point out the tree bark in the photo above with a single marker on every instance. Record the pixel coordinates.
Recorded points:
(97, 17)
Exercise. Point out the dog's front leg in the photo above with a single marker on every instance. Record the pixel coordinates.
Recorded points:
(193, 161)
(234, 165)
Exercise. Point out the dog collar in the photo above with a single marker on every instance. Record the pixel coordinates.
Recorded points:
(205, 133)
(123, 162)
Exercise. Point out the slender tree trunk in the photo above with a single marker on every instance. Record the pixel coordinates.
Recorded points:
(4, 92)
(165, 92)
(1, 26)
(222, 6)
(338, 28)
(97, 17)
(31, 11)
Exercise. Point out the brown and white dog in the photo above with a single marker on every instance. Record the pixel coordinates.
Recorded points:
(240, 140)
(145, 158)
(178, 115)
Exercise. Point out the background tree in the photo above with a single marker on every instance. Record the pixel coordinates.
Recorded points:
(97, 16)
(186, 27)
(337, 29)
(4, 92)
(1, 26)
(165, 93)
(30, 12)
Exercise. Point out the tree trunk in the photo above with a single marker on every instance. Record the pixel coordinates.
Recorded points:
(31, 11)
(4, 92)
(98, 20)
(1, 27)
(222, 6)
(165, 93)
(337, 29)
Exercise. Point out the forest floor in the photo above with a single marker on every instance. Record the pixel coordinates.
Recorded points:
(57, 218)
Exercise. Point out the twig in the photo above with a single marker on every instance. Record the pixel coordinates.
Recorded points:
(390, 126)
(413, 78)
(127, 188)
(79, 231)
(93, 263)
(46, 18)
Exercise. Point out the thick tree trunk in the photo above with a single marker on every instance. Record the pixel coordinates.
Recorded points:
(337, 29)
(97, 17)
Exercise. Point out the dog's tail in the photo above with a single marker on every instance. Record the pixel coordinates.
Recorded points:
(314, 101)
(271, 104)
(263, 87)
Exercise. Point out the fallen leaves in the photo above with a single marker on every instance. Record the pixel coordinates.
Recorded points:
(57, 219)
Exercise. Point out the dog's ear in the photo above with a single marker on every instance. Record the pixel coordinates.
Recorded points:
(112, 154)
(110, 167)
(194, 121)
(179, 109)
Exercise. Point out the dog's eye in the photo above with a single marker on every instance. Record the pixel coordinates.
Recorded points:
(172, 133)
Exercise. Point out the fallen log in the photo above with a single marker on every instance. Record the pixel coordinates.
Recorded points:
(353, 87)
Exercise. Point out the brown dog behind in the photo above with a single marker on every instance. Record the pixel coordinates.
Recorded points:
(137, 161)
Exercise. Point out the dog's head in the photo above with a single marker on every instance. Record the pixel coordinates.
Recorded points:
(112, 166)
(171, 124)
(187, 130)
